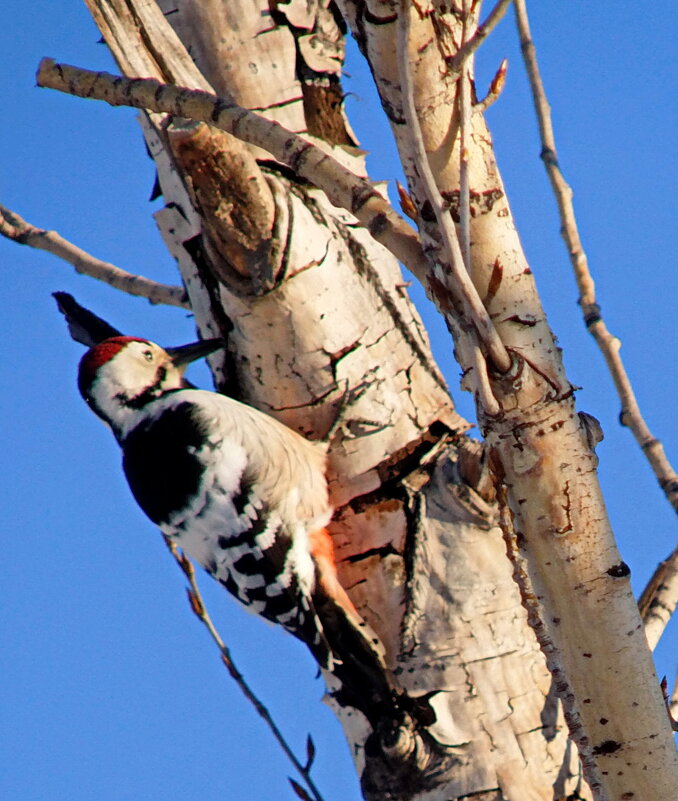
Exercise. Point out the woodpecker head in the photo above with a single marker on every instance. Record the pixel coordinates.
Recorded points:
(120, 375)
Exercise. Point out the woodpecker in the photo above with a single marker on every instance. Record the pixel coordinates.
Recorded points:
(245, 497)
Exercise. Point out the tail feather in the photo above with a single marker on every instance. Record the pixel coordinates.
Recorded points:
(356, 653)
(357, 664)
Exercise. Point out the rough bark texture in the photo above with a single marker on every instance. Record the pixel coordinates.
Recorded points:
(540, 444)
(321, 334)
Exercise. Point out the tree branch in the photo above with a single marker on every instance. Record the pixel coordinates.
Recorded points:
(464, 97)
(660, 598)
(344, 188)
(476, 310)
(200, 611)
(16, 228)
(608, 344)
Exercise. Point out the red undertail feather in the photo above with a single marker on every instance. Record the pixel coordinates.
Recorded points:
(322, 550)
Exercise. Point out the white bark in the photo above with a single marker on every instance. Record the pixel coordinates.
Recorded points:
(540, 445)
(321, 334)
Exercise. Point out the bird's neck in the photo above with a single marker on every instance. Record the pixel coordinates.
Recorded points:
(123, 413)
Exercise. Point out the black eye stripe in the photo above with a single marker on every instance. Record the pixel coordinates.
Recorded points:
(150, 393)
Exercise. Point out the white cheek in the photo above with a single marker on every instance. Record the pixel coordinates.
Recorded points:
(104, 392)
(138, 375)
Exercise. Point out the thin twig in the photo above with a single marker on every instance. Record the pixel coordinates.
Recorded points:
(199, 609)
(660, 598)
(14, 227)
(464, 136)
(456, 62)
(608, 344)
(462, 284)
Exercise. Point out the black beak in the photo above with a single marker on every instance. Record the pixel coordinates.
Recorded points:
(196, 350)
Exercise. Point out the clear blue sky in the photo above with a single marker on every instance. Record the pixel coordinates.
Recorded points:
(110, 689)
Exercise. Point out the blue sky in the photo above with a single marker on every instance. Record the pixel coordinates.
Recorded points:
(111, 690)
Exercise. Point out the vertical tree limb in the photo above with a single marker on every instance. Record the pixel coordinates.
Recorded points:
(464, 95)
(548, 465)
(460, 282)
(558, 510)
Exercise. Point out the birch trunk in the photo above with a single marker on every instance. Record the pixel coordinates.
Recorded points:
(322, 335)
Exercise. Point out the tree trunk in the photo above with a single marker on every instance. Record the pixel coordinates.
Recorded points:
(321, 335)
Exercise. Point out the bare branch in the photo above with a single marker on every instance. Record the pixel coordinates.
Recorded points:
(462, 55)
(343, 188)
(199, 609)
(608, 344)
(462, 280)
(660, 598)
(16, 228)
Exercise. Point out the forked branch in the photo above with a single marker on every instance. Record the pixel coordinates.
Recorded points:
(462, 284)
(608, 344)
(483, 30)
(14, 227)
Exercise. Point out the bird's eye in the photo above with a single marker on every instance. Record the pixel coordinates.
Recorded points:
(148, 355)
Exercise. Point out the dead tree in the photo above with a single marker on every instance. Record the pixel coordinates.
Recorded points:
(287, 252)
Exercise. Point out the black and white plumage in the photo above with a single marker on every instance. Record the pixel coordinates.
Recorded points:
(244, 496)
